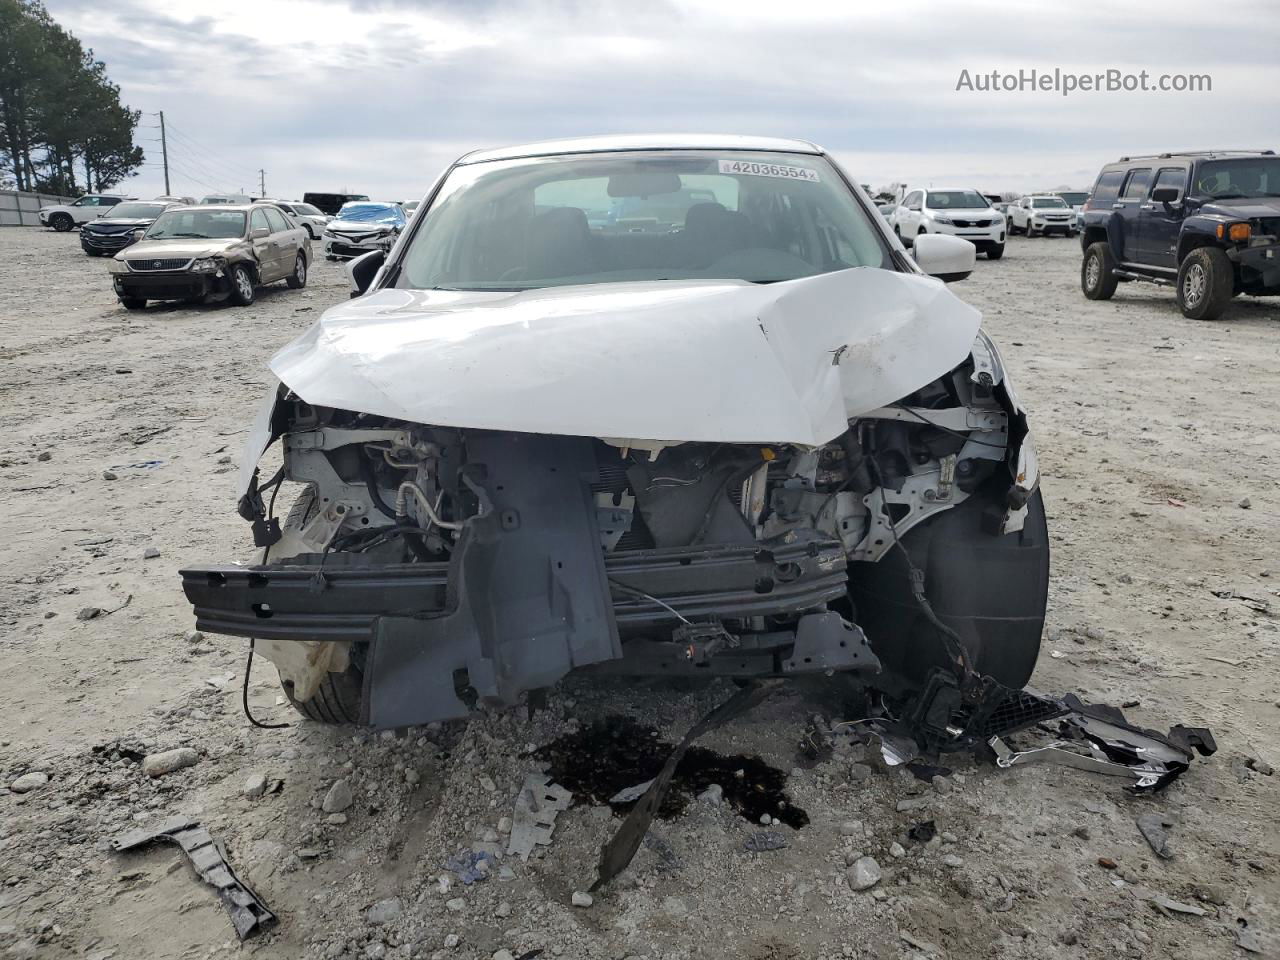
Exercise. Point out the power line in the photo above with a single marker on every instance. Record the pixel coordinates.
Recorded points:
(211, 156)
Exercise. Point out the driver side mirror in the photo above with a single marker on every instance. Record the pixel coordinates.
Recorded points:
(945, 257)
(1165, 195)
(259, 233)
(363, 269)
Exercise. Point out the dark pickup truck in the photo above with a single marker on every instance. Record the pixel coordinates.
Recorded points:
(1206, 223)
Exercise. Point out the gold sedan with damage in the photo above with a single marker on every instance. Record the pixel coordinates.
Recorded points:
(208, 253)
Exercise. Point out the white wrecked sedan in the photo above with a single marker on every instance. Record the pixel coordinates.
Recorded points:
(670, 406)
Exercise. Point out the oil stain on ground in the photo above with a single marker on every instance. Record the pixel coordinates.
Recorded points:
(609, 755)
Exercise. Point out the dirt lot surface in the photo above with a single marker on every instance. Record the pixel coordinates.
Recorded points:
(1159, 449)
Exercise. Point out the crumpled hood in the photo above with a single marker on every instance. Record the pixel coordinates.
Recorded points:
(1244, 208)
(165, 249)
(665, 361)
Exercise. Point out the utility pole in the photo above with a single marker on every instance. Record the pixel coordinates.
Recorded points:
(164, 152)
(262, 183)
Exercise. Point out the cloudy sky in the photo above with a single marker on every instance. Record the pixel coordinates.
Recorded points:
(377, 96)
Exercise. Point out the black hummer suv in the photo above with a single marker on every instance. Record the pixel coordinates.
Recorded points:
(1206, 222)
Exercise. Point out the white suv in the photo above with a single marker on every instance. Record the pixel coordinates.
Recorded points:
(1042, 213)
(957, 211)
(63, 216)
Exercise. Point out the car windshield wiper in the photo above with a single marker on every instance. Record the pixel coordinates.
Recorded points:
(1227, 196)
(183, 236)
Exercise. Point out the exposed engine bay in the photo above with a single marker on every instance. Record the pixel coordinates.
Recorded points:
(434, 566)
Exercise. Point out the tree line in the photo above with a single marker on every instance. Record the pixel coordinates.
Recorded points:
(63, 129)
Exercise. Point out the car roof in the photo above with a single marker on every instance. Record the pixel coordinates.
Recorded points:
(1195, 154)
(946, 189)
(625, 142)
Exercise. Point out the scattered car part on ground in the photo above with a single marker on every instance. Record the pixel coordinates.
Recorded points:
(1113, 746)
(65, 216)
(1206, 223)
(248, 913)
(754, 494)
(204, 253)
(363, 226)
(533, 818)
(953, 211)
(1042, 214)
(120, 226)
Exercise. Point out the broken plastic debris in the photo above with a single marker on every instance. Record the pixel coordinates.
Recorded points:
(631, 794)
(534, 818)
(1152, 826)
(764, 840)
(1115, 747)
(248, 913)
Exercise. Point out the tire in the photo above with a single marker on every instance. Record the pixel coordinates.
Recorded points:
(337, 700)
(242, 288)
(340, 696)
(897, 232)
(132, 303)
(298, 279)
(1206, 283)
(992, 590)
(995, 252)
(1030, 229)
(1097, 272)
(61, 222)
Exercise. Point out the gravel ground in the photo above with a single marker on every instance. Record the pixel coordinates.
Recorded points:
(1159, 450)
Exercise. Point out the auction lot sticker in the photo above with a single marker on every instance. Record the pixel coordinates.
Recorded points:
(753, 168)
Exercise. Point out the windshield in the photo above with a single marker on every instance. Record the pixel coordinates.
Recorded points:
(957, 200)
(1047, 202)
(371, 213)
(1074, 199)
(1241, 177)
(135, 211)
(198, 225)
(306, 210)
(668, 215)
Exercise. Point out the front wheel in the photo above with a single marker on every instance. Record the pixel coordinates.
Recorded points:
(132, 303)
(996, 252)
(1206, 283)
(61, 222)
(339, 697)
(1097, 272)
(991, 589)
(298, 279)
(242, 290)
